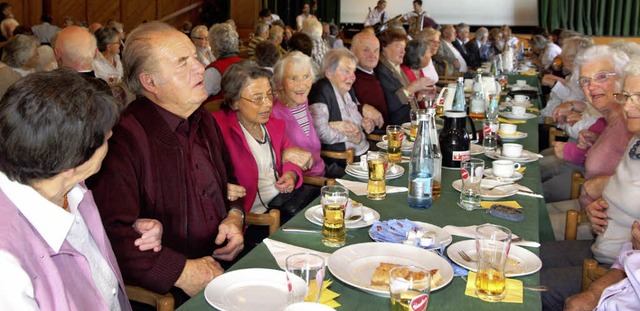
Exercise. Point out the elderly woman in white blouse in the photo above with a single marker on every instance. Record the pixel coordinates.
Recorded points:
(107, 65)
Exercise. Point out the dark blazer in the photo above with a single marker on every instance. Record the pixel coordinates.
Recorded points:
(475, 59)
(392, 83)
(462, 49)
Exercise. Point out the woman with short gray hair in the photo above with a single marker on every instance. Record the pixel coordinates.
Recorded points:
(313, 28)
(200, 38)
(107, 65)
(545, 50)
(21, 54)
(223, 39)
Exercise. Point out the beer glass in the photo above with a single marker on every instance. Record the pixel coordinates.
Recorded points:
(492, 247)
(414, 122)
(490, 131)
(334, 200)
(394, 137)
(310, 268)
(377, 163)
(471, 172)
(410, 288)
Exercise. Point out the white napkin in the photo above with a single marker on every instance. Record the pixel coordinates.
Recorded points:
(470, 232)
(522, 190)
(281, 251)
(360, 188)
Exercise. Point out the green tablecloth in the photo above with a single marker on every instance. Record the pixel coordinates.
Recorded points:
(536, 226)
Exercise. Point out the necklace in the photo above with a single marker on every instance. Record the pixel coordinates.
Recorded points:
(633, 153)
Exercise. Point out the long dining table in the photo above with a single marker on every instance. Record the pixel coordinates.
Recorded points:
(445, 211)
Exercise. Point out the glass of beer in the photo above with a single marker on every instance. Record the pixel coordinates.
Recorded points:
(394, 137)
(414, 122)
(377, 163)
(492, 247)
(410, 288)
(334, 200)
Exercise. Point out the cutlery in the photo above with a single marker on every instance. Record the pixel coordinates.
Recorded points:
(466, 257)
(300, 230)
(500, 185)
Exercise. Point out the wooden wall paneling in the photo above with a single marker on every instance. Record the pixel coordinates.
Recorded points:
(245, 14)
(75, 9)
(101, 11)
(135, 11)
(33, 9)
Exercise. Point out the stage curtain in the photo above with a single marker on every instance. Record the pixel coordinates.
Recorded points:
(592, 17)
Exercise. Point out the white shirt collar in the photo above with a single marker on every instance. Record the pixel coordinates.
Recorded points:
(51, 221)
(365, 70)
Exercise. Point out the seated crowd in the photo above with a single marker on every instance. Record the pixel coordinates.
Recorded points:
(108, 136)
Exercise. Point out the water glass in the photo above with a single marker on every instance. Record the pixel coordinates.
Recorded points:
(334, 200)
(410, 288)
(414, 122)
(394, 137)
(471, 172)
(377, 163)
(492, 247)
(490, 131)
(309, 267)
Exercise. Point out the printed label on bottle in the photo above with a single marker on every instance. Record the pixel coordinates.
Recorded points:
(420, 187)
(460, 155)
(464, 173)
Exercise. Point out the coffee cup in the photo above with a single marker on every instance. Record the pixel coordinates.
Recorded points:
(518, 110)
(468, 83)
(512, 150)
(521, 82)
(519, 98)
(504, 168)
(508, 129)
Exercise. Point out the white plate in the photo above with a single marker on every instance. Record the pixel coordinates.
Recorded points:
(355, 264)
(488, 173)
(356, 171)
(520, 261)
(406, 145)
(308, 306)
(527, 156)
(251, 289)
(511, 103)
(315, 216)
(516, 136)
(509, 115)
(476, 149)
(443, 237)
(493, 194)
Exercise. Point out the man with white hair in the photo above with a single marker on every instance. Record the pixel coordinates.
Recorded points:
(478, 49)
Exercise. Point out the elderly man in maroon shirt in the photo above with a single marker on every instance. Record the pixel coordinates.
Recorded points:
(366, 47)
(167, 161)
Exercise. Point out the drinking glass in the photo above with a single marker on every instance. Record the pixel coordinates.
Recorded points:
(471, 172)
(334, 200)
(414, 122)
(492, 247)
(394, 136)
(377, 163)
(490, 131)
(310, 268)
(410, 288)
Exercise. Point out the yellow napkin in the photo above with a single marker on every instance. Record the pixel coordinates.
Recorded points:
(327, 296)
(534, 109)
(487, 204)
(501, 119)
(530, 72)
(514, 289)
(521, 169)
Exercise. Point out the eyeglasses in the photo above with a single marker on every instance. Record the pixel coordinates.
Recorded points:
(598, 77)
(200, 38)
(622, 98)
(259, 100)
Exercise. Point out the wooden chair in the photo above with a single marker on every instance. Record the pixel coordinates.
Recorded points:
(271, 219)
(347, 155)
(574, 218)
(160, 302)
(213, 105)
(374, 137)
(591, 271)
(554, 133)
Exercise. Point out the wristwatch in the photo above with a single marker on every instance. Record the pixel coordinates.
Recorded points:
(239, 211)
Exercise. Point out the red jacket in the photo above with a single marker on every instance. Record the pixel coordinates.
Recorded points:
(245, 164)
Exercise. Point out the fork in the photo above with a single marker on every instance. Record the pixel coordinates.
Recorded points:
(466, 257)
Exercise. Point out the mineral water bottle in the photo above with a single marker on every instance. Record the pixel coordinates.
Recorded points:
(492, 111)
(459, 101)
(476, 108)
(421, 167)
(437, 154)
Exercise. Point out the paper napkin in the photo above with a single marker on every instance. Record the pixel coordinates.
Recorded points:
(360, 188)
(470, 232)
(505, 120)
(514, 292)
(522, 190)
(534, 109)
(487, 204)
(281, 251)
(327, 296)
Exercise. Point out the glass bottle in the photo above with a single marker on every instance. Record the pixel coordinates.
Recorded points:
(437, 154)
(476, 108)
(492, 111)
(459, 100)
(421, 167)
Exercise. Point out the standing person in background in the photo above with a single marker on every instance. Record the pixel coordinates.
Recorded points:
(265, 16)
(377, 15)
(306, 9)
(45, 31)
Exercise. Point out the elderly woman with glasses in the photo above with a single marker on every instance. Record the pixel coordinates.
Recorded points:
(200, 38)
(599, 71)
(107, 65)
(257, 141)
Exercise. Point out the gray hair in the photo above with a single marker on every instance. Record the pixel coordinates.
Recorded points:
(19, 50)
(539, 42)
(276, 32)
(105, 36)
(333, 57)
(312, 27)
(223, 39)
(617, 57)
(267, 53)
(461, 27)
(632, 69)
(414, 51)
(260, 28)
(236, 77)
(196, 30)
(481, 33)
(138, 57)
(628, 47)
(295, 58)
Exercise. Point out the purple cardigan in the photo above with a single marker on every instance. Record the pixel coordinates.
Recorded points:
(245, 164)
(296, 135)
(62, 280)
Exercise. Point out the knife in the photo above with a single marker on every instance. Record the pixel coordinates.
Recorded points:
(300, 230)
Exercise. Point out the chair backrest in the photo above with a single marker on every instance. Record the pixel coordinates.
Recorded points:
(272, 219)
(213, 105)
(554, 133)
(574, 218)
(591, 271)
(160, 302)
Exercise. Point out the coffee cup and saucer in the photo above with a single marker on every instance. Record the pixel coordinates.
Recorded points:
(504, 170)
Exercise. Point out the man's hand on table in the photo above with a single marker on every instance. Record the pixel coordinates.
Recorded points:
(230, 230)
(151, 231)
(197, 273)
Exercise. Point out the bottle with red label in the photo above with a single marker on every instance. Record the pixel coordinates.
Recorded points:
(455, 141)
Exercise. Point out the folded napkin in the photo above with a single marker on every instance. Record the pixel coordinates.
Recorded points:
(360, 188)
(281, 251)
(487, 204)
(470, 232)
(534, 109)
(505, 120)
(521, 169)
(514, 292)
(327, 296)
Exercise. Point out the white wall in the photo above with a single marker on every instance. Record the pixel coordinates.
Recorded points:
(472, 12)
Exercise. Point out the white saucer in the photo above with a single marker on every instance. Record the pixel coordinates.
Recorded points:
(311, 214)
(516, 136)
(493, 194)
(527, 156)
(488, 173)
(511, 103)
(476, 149)
(520, 262)
(510, 115)
(406, 144)
(356, 171)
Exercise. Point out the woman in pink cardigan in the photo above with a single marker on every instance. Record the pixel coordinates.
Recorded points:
(257, 143)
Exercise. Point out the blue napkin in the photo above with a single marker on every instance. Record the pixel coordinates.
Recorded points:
(394, 230)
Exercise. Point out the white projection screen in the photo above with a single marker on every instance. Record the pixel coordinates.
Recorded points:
(472, 12)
